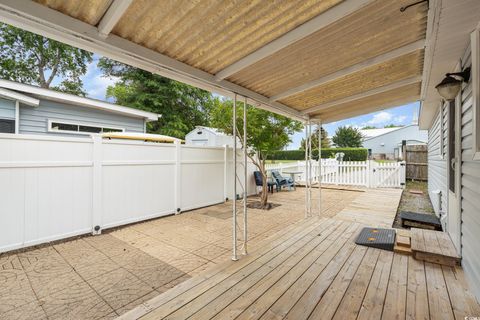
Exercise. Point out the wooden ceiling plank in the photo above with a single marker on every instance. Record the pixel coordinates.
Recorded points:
(330, 16)
(352, 69)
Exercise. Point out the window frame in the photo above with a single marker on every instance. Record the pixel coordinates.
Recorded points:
(475, 78)
(75, 123)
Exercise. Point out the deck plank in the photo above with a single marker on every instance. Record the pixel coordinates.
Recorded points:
(327, 306)
(259, 282)
(417, 298)
(395, 300)
(372, 305)
(309, 295)
(463, 302)
(299, 273)
(438, 298)
(187, 293)
(352, 300)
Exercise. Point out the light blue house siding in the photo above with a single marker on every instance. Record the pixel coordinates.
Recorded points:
(7, 109)
(34, 120)
(386, 143)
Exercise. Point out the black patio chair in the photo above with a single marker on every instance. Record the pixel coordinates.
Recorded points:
(259, 181)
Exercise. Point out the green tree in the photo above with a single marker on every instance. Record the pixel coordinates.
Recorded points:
(347, 137)
(391, 125)
(29, 58)
(369, 127)
(325, 140)
(267, 132)
(181, 106)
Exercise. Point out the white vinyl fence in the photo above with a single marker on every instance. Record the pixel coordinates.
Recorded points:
(53, 188)
(369, 173)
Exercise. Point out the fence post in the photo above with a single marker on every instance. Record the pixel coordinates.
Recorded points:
(369, 174)
(97, 184)
(178, 177)
(403, 174)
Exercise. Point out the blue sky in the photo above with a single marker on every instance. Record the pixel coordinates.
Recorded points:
(402, 115)
(96, 86)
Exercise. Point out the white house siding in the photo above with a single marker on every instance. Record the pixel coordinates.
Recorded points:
(34, 120)
(437, 165)
(470, 191)
(7, 109)
(392, 139)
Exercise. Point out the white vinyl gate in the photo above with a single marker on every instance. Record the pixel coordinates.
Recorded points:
(369, 173)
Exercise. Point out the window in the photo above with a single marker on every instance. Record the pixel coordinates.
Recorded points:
(7, 126)
(79, 128)
(475, 76)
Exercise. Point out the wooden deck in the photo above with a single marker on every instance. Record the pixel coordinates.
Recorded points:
(315, 271)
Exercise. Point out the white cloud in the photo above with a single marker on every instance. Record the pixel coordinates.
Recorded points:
(400, 119)
(381, 118)
(97, 86)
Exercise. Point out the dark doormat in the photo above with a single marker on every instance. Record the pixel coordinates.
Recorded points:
(420, 220)
(377, 238)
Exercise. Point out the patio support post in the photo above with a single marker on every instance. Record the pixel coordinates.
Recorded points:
(234, 209)
(245, 177)
(319, 167)
(310, 173)
(306, 171)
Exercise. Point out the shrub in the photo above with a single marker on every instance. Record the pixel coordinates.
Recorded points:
(351, 154)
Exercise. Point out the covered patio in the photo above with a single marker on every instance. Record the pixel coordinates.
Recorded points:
(314, 61)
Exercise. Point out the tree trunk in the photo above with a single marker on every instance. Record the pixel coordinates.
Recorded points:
(264, 195)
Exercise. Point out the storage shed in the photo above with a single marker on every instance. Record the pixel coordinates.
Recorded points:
(210, 137)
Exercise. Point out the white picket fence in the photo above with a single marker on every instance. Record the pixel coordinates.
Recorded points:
(369, 173)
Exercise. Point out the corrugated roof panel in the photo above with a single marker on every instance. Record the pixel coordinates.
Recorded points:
(89, 11)
(373, 30)
(211, 35)
(366, 79)
(392, 98)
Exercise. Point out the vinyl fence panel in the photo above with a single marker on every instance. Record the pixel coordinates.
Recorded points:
(56, 187)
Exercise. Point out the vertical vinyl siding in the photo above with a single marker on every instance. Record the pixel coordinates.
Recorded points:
(470, 190)
(34, 120)
(7, 109)
(437, 165)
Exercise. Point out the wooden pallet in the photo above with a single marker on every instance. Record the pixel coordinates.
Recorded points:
(402, 242)
(434, 246)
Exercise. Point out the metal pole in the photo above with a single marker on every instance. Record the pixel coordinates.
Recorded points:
(319, 167)
(245, 177)
(234, 209)
(309, 167)
(306, 171)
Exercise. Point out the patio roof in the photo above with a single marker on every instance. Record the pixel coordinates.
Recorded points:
(327, 59)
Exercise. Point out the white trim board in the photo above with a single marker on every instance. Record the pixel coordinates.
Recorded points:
(72, 99)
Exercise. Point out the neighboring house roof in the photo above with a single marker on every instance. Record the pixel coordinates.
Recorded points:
(394, 129)
(371, 133)
(11, 89)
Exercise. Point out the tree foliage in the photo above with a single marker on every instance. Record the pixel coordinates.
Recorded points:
(347, 137)
(182, 107)
(369, 127)
(267, 132)
(392, 125)
(29, 58)
(325, 140)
